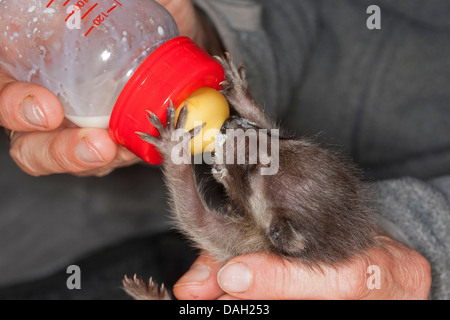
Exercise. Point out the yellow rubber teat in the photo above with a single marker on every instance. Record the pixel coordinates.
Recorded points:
(204, 105)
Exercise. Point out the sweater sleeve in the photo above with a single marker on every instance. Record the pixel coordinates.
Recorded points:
(265, 34)
(417, 213)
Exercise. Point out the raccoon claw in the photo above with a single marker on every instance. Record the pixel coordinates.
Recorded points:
(170, 119)
(170, 122)
(165, 133)
(154, 120)
(169, 136)
(234, 75)
(141, 290)
(156, 141)
(182, 117)
(195, 131)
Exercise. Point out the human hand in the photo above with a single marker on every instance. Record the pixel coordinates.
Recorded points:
(185, 16)
(403, 274)
(191, 23)
(44, 142)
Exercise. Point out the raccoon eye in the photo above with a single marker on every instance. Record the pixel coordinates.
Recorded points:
(285, 238)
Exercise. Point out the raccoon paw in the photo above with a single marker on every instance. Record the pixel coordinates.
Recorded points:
(169, 135)
(141, 290)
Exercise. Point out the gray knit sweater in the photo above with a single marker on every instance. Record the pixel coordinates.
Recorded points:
(382, 96)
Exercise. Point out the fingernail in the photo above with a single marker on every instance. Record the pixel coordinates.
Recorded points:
(235, 277)
(87, 153)
(32, 113)
(196, 275)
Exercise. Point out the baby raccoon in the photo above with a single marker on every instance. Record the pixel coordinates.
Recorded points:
(312, 209)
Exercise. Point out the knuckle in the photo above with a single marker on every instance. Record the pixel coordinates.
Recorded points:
(59, 159)
(351, 282)
(22, 157)
(418, 282)
(5, 108)
(284, 281)
(38, 156)
(6, 89)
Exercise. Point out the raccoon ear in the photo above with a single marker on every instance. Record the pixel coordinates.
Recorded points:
(285, 238)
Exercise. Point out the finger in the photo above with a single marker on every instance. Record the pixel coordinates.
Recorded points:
(28, 107)
(184, 15)
(227, 297)
(200, 282)
(70, 150)
(124, 158)
(260, 276)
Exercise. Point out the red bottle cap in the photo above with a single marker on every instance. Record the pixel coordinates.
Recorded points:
(172, 72)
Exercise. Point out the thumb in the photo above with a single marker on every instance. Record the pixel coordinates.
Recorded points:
(265, 277)
(199, 283)
(28, 107)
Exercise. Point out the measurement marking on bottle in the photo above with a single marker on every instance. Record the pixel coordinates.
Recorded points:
(97, 21)
(84, 16)
(69, 15)
(90, 29)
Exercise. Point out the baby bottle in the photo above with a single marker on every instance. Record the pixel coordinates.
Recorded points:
(108, 61)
